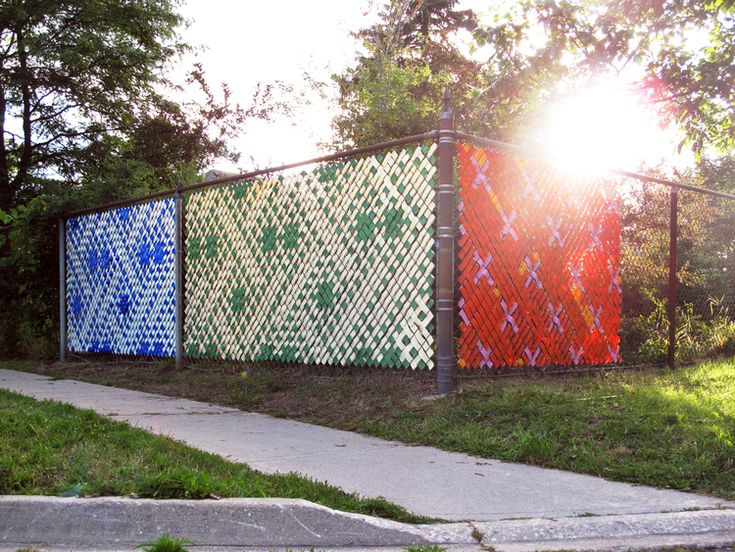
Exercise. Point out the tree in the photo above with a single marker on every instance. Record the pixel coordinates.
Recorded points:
(410, 59)
(551, 46)
(71, 72)
(84, 119)
(681, 54)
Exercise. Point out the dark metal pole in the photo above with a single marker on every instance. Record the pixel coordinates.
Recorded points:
(673, 280)
(62, 289)
(445, 254)
(179, 269)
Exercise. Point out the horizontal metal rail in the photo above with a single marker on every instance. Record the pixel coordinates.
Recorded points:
(431, 135)
(117, 203)
(331, 157)
(531, 152)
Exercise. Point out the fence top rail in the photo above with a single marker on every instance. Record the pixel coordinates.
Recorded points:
(431, 135)
(530, 152)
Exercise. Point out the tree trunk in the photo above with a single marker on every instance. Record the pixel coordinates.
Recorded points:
(6, 194)
(26, 156)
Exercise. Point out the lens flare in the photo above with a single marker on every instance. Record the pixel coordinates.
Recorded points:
(603, 128)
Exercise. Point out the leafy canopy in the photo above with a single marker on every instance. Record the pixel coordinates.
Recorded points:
(680, 53)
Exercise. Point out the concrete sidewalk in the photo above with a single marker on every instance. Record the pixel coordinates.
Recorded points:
(111, 523)
(425, 480)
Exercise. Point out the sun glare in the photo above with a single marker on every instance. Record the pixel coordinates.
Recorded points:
(603, 128)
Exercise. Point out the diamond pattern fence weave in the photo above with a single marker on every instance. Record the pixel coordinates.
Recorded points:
(332, 265)
(120, 280)
(645, 212)
(539, 264)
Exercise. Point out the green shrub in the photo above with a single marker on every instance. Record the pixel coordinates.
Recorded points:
(697, 336)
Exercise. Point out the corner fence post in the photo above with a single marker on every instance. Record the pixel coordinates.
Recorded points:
(445, 206)
(62, 289)
(179, 282)
(673, 279)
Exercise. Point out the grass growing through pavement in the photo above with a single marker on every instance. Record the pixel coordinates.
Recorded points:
(165, 544)
(657, 427)
(55, 449)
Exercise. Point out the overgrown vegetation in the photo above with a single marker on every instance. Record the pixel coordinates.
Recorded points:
(706, 280)
(672, 429)
(53, 448)
(697, 336)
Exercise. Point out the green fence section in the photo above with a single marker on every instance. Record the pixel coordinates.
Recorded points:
(334, 265)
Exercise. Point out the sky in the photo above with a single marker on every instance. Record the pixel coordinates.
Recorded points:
(244, 42)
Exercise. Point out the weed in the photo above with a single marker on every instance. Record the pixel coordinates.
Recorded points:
(166, 544)
(698, 335)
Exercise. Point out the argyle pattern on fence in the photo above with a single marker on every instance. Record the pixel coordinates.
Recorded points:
(120, 280)
(539, 264)
(328, 266)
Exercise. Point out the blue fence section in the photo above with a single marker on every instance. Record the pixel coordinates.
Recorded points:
(120, 276)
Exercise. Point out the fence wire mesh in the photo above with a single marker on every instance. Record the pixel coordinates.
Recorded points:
(120, 282)
(706, 274)
(557, 269)
(331, 266)
(539, 264)
(645, 214)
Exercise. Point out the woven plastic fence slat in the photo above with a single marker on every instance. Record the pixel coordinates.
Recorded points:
(330, 266)
(539, 265)
(120, 280)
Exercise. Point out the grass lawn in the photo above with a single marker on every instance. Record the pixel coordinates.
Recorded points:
(655, 427)
(51, 448)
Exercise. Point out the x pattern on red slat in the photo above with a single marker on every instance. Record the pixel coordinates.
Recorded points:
(539, 267)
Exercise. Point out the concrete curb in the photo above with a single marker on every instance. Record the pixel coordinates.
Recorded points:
(123, 523)
(702, 528)
(112, 523)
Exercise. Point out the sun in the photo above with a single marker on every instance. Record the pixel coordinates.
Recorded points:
(603, 128)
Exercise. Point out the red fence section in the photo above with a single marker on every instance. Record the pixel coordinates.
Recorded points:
(539, 264)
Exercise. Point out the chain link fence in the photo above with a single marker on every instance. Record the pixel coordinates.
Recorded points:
(328, 265)
(120, 282)
(553, 261)
(539, 264)
(645, 233)
(332, 263)
(705, 317)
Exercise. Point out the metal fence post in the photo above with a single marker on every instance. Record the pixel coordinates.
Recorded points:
(179, 270)
(62, 289)
(445, 255)
(673, 279)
